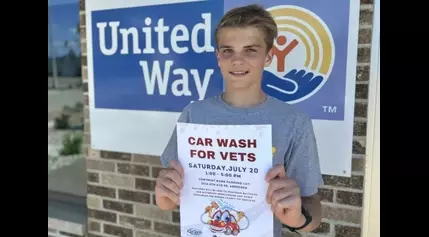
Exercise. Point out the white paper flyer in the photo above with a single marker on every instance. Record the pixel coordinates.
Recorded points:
(224, 191)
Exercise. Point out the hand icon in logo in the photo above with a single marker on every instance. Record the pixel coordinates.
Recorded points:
(294, 85)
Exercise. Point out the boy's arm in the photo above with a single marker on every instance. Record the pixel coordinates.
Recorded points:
(302, 166)
(165, 175)
(313, 205)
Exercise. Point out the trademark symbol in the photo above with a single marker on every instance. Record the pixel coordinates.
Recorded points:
(329, 109)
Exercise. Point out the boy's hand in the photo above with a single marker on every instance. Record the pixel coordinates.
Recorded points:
(284, 196)
(168, 185)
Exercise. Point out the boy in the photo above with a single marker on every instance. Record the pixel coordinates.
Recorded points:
(244, 40)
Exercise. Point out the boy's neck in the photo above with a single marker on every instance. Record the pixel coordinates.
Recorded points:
(244, 98)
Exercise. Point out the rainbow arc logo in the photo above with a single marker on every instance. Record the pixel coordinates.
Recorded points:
(304, 55)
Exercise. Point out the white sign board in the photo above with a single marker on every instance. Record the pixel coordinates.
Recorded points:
(146, 63)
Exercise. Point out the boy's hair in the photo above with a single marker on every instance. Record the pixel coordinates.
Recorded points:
(250, 16)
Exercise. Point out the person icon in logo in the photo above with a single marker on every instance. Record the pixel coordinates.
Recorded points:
(282, 53)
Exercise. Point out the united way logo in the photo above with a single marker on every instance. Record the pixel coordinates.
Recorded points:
(304, 55)
(155, 57)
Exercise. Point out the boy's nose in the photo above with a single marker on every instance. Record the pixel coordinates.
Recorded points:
(237, 60)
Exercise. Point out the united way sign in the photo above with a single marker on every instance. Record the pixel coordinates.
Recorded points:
(148, 59)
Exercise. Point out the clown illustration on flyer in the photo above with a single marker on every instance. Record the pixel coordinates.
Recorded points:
(225, 219)
(224, 180)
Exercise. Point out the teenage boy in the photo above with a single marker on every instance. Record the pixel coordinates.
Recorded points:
(244, 39)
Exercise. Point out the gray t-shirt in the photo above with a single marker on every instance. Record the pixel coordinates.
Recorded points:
(292, 131)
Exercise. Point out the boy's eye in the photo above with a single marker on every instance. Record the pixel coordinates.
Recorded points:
(250, 50)
(227, 51)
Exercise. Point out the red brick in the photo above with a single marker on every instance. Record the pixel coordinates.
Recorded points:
(327, 194)
(349, 198)
(115, 155)
(117, 231)
(364, 55)
(82, 5)
(145, 184)
(359, 129)
(150, 160)
(342, 214)
(135, 222)
(358, 165)
(365, 17)
(365, 36)
(140, 170)
(324, 228)
(362, 73)
(93, 177)
(101, 191)
(361, 91)
(347, 231)
(358, 148)
(168, 229)
(93, 226)
(118, 206)
(102, 215)
(355, 181)
(361, 110)
(83, 60)
(135, 196)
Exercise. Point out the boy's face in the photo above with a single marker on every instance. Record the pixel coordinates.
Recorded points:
(242, 55)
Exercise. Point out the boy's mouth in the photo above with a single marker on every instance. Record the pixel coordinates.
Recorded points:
(239, 73)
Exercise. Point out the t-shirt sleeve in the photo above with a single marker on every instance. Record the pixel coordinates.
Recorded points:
(170, 151)
(302, 160)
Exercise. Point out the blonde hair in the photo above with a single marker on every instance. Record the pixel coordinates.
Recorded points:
(250, 16)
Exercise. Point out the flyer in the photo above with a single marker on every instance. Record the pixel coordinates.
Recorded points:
(224, 191)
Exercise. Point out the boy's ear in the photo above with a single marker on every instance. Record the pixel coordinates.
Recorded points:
(269, 58)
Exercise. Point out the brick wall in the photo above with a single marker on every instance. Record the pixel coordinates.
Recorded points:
(120, 186)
